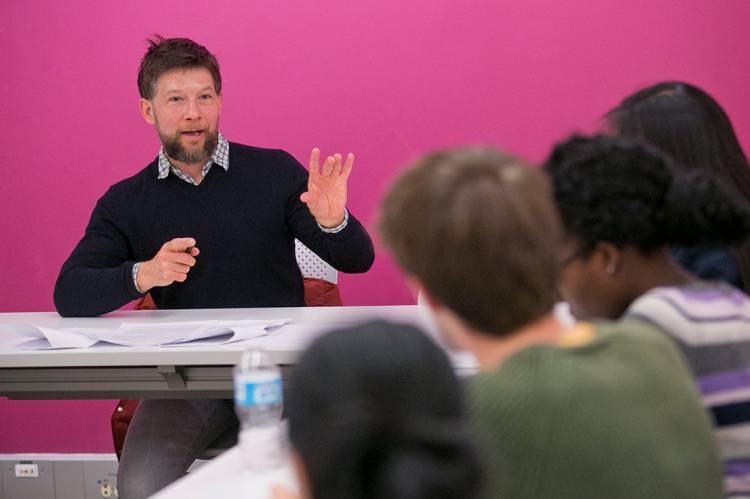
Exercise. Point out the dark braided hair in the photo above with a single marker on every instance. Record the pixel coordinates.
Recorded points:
(628, 193)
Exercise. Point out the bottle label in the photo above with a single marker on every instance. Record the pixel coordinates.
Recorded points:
(247, 393)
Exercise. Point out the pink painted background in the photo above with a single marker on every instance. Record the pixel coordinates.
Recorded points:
(385, 79)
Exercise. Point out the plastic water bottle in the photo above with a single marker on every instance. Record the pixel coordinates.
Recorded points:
(258, 401)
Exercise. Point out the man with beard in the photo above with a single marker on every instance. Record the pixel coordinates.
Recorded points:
(207, 224)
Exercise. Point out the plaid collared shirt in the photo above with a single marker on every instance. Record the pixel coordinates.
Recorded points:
(221, 158)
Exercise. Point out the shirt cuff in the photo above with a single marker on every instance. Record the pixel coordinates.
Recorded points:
(338, 228)
(135, 276)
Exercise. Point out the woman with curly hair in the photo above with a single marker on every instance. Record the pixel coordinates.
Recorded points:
(623, 205)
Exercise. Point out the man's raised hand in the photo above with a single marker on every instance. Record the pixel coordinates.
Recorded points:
(326, 188)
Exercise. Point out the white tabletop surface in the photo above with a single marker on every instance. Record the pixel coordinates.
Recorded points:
(283, 345)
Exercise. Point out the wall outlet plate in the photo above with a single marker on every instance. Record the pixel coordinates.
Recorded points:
(27, 470)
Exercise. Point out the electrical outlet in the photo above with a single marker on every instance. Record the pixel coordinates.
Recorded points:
(107, 490)
(61, 476)
(27, 470)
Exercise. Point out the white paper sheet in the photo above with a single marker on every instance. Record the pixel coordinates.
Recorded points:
(145, 333)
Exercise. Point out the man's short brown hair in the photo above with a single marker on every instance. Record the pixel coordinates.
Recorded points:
(480, 231)
(166, 54)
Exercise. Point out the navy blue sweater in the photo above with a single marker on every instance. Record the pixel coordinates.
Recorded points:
(244, 220)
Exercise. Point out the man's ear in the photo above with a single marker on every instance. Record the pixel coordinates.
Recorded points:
(610, 256)
(147, 111)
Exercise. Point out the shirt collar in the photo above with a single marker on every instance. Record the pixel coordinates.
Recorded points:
(220, 157)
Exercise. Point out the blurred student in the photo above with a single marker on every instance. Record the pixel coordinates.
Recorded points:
(597, 410)
(623, 205)
(689, 125)
(376, 411)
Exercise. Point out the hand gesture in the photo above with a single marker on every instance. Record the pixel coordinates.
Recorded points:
(326, 188)
(172, 263)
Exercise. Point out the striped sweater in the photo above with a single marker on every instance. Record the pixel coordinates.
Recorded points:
(710, 321)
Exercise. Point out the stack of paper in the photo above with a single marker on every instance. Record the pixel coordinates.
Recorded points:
(145, 333)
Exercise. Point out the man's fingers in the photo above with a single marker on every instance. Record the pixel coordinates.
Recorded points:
(178, 268)
(176, 273)
(181, 258)
(347, 169)
(328, 166)
(314, 161)
(179, 277)
(336, 165)
(179, 244)
(333, 166)
(166, 258)
(170, 272)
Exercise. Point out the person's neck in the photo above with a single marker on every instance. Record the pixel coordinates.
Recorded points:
(491, 351)
(195, 171)
(657, 270)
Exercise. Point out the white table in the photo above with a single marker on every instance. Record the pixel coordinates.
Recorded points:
(116, 372)
(226, 477)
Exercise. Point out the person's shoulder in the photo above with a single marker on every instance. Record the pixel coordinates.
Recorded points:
(123, 190)
(697, 256)
(516, 378)
(699, 300)
(145, 176)
(588, 347)
(642, 350)
(260, 157)
(546, 377)
(273, 168)
(631, 331)
(702, 312)
(709, 263)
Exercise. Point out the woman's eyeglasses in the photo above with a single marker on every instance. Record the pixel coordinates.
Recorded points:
(580, 252)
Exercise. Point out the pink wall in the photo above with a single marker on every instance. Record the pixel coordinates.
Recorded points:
(388, 80)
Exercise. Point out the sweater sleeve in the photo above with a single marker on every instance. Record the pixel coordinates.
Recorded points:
(349, 250)
(97, 277)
